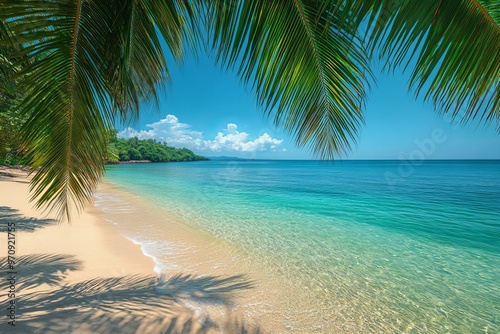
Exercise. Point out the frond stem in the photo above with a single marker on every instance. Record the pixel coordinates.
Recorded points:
(130, 44)
(436, 12)
(71, 93)
(485, 13)
(315, 49)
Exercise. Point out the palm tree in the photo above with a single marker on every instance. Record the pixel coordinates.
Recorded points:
(307, 60)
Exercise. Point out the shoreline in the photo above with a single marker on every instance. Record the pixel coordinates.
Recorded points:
(212, 281)
(88, 235)
(87, 277)
(266, 304)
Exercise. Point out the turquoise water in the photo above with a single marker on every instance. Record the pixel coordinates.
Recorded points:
(381, 246)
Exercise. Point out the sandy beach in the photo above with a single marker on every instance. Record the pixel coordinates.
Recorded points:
(159, 251)
(85, 277)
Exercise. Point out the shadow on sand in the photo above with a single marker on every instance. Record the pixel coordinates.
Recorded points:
(22, 223)
(127, 305)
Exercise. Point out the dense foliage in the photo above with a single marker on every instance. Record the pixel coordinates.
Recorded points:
(11, 151)
(147, 149)
(11, 120)
(87, 64)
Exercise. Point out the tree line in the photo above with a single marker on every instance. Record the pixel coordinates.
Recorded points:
(121, 150)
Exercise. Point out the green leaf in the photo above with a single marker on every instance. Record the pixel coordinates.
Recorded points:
(85, 62)
(88, 59)
(452, 49)
(305, 60)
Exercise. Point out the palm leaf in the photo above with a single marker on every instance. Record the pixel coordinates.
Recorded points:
(136, 62)
(89, 59)
(452, 49)
(490, 8)
(64, 130)
(309, 70)
(86, 61)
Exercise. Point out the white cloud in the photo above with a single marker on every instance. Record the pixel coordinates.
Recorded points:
(179, 134)
(231, 128)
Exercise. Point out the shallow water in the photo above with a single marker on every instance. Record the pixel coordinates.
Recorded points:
(360, 246)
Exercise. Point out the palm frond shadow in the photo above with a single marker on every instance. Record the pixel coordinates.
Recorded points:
(131, 304)
(214, 289)
(5, 174)
(21, 222)
(38, 269)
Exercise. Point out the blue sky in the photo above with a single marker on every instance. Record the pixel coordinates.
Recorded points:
(208, 110)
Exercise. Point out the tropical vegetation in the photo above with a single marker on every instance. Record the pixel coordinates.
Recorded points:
(85, 64)
(123, 150)
(11, 118)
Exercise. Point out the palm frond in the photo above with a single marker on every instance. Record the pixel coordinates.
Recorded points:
(452, 49)
(88, 59)
(491, 8)
(67, 105)
(136, 62)
(307, 67)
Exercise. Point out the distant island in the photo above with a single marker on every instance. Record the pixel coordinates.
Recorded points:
(135, 150)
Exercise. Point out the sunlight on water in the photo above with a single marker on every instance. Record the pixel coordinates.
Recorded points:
(354, 250)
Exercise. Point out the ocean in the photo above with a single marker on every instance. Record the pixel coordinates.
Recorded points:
(344, 246)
